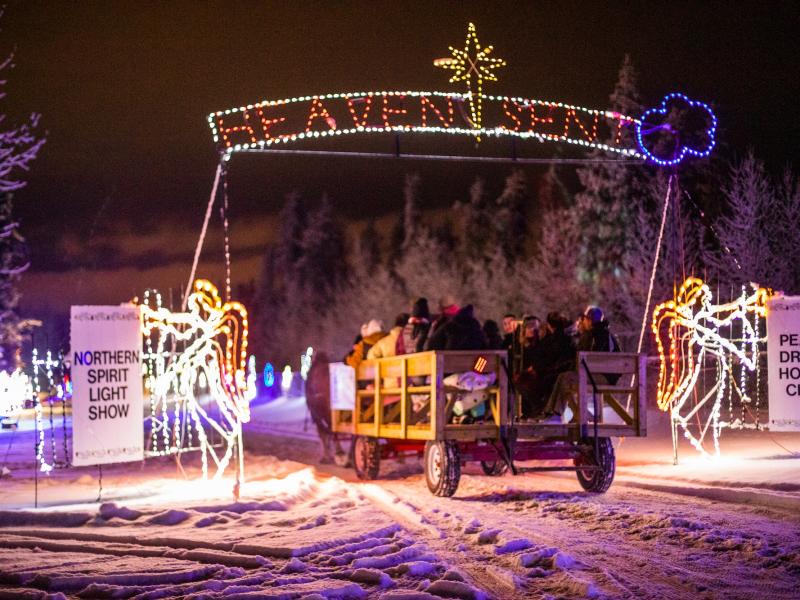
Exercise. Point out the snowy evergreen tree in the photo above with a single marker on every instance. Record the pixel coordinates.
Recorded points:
(510, 226)
(367, 250)
(554, 282)
(293, 220)
(412, 218)
(474, 222)
(19, 146)
(604, 207)
(758, 231)
(322, 266)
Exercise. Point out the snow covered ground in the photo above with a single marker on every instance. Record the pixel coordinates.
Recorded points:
(303, 530)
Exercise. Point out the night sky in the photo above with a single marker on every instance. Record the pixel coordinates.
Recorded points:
(123, 90)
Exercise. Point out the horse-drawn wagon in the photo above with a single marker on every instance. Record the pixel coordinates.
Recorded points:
(428, 404)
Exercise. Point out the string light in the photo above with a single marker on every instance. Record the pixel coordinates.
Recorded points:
(214, 340)
(269, 375)
(47, 368)
(305, 362)
(473, 66)
(516, 117)
(644, 128)
(286, 379)
(694, 324)
(15, 389)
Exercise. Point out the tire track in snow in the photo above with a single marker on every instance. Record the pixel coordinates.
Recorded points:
(655, 557)
(498, 581)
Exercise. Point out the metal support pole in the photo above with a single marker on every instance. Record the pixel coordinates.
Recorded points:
(36, 463)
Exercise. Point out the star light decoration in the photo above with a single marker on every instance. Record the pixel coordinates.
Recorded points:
(472, 65)
(191, 356)
(696, 329)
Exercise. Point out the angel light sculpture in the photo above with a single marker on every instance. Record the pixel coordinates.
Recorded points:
(693, 327)
(201, 350)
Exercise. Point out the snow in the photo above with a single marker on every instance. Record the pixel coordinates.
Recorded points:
(726, 528)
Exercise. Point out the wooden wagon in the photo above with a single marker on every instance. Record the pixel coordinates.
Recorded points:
(403, 405)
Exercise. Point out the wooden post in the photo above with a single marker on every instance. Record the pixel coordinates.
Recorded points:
(378, 398)
(405, 404)
(438, 398)
(641, 416)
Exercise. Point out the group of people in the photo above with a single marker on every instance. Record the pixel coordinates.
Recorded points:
(544, 367)
(542, 354)
(453, 328)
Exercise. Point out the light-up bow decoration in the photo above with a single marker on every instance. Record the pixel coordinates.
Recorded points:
(472, 65)
(694, 328)
(677, 128)
(209, 339)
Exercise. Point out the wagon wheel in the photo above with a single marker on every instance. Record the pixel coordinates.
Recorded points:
(442, 467)
(366, 457)
(597, 481)
(494, 468)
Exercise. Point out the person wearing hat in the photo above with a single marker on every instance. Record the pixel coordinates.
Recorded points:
(594, 336)
(371, 333)
(386, 346)
(415, 333)
(594, 332)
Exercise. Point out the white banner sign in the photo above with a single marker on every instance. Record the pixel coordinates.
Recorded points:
(783, 353)
(343, 386)
(107, 405)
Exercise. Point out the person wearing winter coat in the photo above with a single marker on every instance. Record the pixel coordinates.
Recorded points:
(491, 331)
(462, 332)
(448, 308)
(554, 354)
(386, 345)
(594, 336)
(371, 334)
(415, 332)
(510, 325)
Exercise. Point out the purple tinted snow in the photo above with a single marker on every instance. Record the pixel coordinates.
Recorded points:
(242, 507)
(12, 518)
(489, 536)
(295, 565)
(320, 520)
(409, 595)
(371, 577)
(109, 510)
(417, 568)
(389, 560)
(169, 517)
(457, 589)
(514, 546)
(538, 558)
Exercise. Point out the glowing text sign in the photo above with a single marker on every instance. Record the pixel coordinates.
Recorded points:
(292, 119)
(107, 385)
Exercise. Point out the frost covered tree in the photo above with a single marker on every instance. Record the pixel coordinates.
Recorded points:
(367, 250)
(279, 289)
(510, 226)
(322, 266)
(19, 146)
(758, 231)
(603, 208)
(474, 218)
